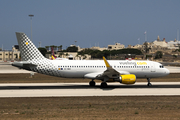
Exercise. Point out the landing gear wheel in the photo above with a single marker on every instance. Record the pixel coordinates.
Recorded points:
(149, 84)
(103, 84)
(92, 83)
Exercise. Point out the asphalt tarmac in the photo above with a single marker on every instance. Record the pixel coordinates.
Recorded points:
(83, 89)
(6, 67)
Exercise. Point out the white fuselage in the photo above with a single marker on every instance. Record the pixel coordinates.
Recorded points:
(79, 68)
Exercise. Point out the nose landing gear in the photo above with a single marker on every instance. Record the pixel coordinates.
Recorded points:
(149, 84)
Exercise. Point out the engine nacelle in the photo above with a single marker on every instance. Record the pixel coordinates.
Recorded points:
(127, 79)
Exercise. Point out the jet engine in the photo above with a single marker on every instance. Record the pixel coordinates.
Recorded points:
(127, 79)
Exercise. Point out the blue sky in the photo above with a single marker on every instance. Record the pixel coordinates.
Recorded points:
(89, 22)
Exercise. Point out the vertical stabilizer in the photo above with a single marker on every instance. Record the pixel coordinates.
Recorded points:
(27, 48)
(52, 52)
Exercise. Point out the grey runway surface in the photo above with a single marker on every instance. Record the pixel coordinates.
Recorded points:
(6, 67)
(83, 89)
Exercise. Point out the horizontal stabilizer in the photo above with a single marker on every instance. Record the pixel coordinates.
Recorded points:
(23, 65)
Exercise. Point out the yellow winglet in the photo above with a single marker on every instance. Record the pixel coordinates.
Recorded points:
(106, 62)
(53, 57)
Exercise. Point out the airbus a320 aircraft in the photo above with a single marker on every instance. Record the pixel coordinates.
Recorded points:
(123, 71)
(54, 57)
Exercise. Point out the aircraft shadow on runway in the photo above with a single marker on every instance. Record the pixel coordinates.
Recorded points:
(110, 87)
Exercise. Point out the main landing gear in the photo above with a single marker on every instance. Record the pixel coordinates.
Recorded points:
(92, 83)
(149, 84)
(103, 84)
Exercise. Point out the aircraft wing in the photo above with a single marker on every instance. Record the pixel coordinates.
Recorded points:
(108, 73)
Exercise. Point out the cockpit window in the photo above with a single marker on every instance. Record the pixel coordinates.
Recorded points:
(161, 66)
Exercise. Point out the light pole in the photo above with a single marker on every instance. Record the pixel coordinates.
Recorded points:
(31, 24)
(145, 33)
(139, 40)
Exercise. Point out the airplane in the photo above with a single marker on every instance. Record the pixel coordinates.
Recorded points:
(123, 71)
(53, 57)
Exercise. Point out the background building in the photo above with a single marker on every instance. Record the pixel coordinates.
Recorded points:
(116, 46)
(10, 55)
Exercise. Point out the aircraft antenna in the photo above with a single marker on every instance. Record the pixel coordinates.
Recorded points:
(177, 34)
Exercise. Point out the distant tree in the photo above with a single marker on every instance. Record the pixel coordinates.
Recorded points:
(147, 56)
(55, 48)
(106, 53)
(47, 48)
(61, 54)
(158, 55)
(60, 48)
(66, 54)
(43, 51)
(175, 56)
(72, 49)
(52, 46)
(126, 51)
(146, 47)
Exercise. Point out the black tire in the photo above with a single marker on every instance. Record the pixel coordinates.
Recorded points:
(149, 84)
(92, 83)
(103, 84)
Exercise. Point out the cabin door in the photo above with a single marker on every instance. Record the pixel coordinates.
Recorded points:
(153, 69)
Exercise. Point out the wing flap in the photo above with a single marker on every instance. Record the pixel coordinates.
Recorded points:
(108, 73)
(93, 75)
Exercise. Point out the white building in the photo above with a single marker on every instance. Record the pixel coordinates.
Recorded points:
(117, 46)
(173, 44)
(162, 43)
(10, 55)
(70, 55)
(98, 48)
